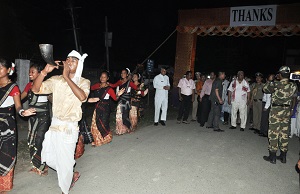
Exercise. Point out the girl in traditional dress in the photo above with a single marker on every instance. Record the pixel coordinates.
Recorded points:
(136, 96)
(123, 124)
(9, 102)
(38, 124)
(100, 121)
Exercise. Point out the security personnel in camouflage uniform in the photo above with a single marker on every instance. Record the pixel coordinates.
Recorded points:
(282, 93)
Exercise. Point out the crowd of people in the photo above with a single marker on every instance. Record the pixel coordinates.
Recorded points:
(266, 105)
(53, 131)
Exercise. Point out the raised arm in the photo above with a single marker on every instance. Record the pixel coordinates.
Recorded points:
(269, 87)
(81, 94)
(118, 83)
(38, 82)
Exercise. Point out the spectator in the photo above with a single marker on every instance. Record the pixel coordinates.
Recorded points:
(239, 96)
(186, 91)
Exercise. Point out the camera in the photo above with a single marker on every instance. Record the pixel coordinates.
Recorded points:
(295, 76)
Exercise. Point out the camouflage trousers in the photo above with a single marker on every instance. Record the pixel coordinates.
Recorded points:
(279, 128)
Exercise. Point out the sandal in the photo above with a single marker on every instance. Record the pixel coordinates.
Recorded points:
(76, 176)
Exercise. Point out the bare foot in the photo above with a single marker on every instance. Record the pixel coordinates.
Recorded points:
(76, 176)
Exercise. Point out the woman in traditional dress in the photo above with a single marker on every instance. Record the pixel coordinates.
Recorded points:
(123, 124)
(10, 101)
(38, 124)
(100, 121)
(136, 96)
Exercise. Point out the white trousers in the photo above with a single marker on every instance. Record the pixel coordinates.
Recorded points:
(58, 153)
(242, 108)
(160, 103)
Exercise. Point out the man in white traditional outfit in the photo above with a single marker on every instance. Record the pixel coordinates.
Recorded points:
(69, 91)
(162, 85)
(239, 98)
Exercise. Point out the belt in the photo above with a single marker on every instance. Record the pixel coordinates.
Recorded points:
(255, 100)
(282, 105)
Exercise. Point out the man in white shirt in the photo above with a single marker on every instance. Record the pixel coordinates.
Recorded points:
(162, 85)
(186, 91)
(239, 97)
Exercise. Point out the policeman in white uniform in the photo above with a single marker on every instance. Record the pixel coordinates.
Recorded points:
(162, 85)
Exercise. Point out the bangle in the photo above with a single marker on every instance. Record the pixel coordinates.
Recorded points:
(20, 112)
(43, 74)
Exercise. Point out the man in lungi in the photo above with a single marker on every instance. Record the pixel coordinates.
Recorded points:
(69, 90)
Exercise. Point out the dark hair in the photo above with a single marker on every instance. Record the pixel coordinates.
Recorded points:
(126, 69)
(105, 72)
(221, 72)
(5, 63)
(138, 75)
(38, 67)
(240, 72)
(188, 72)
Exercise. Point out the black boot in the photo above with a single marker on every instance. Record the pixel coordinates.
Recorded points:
(271, 158)
(282, 157)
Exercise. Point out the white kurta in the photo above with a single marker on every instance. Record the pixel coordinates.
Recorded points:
(239, 101)
(161, 97)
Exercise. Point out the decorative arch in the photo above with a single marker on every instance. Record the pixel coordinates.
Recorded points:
(216, 22)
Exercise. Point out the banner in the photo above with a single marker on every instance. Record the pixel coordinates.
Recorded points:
(264, 15)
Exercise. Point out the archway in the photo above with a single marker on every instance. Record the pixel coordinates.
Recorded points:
(250, 21)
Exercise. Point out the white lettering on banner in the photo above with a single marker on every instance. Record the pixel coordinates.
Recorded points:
(264, 15)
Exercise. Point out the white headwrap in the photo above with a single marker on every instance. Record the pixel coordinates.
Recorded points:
(79, 69)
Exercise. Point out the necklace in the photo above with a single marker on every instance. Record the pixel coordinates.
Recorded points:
(3, 85)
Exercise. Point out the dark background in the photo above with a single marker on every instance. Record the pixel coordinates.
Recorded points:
(138, 28)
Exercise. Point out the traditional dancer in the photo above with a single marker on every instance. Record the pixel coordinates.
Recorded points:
(69, 91)
(136, 96)
(123, 124)
(100, 121)
(9, 100)
(38, 124)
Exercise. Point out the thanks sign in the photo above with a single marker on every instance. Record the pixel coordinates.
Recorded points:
(264, 15)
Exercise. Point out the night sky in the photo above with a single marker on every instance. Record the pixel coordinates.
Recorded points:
(138, 28)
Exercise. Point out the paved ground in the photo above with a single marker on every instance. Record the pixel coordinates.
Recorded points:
(179, 159)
